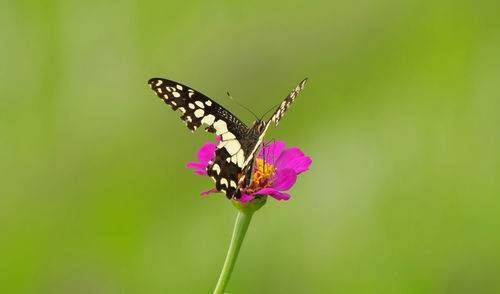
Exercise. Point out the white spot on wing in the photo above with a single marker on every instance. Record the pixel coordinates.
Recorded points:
(227, 136)
(159, 82)
(208, 102)
(216, 168)
(220, 127)
(209, 119)
(232, 147)
(190, 94)
(191, 105)
(200, 104)
(176, 94)
(182, 109)
(233, 184)
(199, 112)
(173, 103)
(222, 144)
(179, 87)
(223, 182)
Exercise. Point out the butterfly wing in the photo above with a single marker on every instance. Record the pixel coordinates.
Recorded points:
(197, 109)
(278, 114)
(248, 165)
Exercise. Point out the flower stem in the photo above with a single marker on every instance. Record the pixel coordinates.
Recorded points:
(239, 231)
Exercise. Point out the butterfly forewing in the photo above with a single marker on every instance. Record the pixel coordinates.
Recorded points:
(278, 114)
(197, 108)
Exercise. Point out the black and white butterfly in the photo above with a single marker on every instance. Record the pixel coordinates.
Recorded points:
(233, 165)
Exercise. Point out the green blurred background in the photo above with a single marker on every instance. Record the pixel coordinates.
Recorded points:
(401, 117)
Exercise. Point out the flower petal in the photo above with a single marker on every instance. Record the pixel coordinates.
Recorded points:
(285, 178)
(266, 191)
(290, 158)
(195, 165)
(280, 196)
(206, 153)
(274, 149)
(245, 198)
(209, 192)
(200, 172)
(273, 193)
(300, 164)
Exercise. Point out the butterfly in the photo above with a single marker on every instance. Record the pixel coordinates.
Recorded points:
(233, 165)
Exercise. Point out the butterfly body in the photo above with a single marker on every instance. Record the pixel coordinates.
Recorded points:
(233, 163)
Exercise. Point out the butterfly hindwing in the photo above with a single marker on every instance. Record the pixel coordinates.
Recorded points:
(225, 173)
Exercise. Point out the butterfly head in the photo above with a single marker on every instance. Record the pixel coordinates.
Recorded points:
(257, 128)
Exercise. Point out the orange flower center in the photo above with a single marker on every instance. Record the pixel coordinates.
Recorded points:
(262, 177)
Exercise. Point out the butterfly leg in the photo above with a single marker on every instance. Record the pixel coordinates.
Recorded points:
(268, 153)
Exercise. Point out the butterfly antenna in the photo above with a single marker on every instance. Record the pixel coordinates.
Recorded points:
(234, 100)
(273, 107)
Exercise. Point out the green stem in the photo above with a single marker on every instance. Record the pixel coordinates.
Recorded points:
(240, 229)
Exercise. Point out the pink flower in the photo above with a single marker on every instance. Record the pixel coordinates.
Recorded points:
(276, 170)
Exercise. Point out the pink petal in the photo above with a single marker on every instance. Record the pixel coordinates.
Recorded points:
(195, 165)
(288, 159)
(300, 164)
(200, 172)
(206, 153)
(209, 191)
(274, 193)
(266, 191)
(280, 196)
(274, 149)
(245, 198)
(285, 178)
